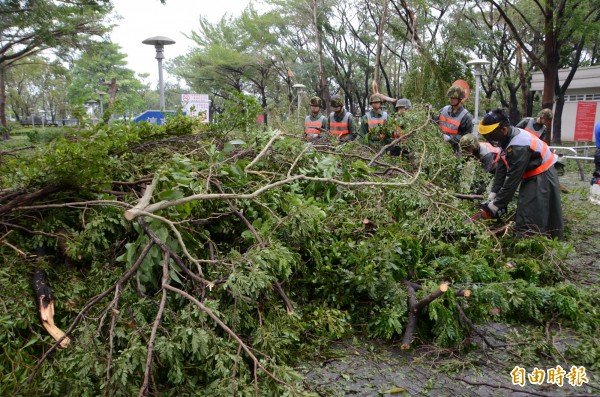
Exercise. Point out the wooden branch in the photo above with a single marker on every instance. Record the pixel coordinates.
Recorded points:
(443, 287)
(412, 317)
(243, 196)
(468, 196)
(83, 311)
(380, 31)
(17, 250)
(414, 307)
(395, 141)
(113, 92)
(228, 330)
(175, 257)
(11, 151)
(157, 320)
(469, 323)
(45, 301)
(132, 213)
(277, 284)
(114, 308)
(382, 96)
(262, 152)
(25, 198)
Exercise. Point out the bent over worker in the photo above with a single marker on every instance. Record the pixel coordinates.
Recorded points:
(487, 154)
(537, 125)
(341, 122)
(315, 123)
(454, 120)
(526, 161)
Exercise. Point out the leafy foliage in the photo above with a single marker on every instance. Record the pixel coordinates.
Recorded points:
(341, 253)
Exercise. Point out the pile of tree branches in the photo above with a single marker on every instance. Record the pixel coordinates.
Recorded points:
(184, 258)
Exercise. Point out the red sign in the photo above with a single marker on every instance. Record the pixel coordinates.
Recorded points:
(584, 123)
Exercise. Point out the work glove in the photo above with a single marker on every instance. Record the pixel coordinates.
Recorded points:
(490, 210)
(491, 196)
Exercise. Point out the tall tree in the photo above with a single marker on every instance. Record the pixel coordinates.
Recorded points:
(559, 21)
(29, 27)
(100, 63)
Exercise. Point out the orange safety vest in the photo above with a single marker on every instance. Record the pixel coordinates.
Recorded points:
(448, 123)
(339, 127)
(536, 145)
(312, 126)
(373, 122)
(486, 148)
(398, 132)
(529, 128)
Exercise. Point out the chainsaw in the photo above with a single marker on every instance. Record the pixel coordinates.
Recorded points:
(482, 214)
(485, 213)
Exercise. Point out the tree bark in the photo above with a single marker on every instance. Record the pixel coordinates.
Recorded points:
(5, 135)
(29, 197)
(45, 300)
(380, 31)
(323, 88)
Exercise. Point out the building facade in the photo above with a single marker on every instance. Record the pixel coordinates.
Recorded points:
(582, 107)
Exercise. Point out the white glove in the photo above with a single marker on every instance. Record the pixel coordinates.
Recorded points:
(446, 137)
(491, 196)
(493, 208)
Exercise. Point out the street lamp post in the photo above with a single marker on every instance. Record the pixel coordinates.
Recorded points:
(43, 113)
(101, 95)
(92, 104)
(477, 64)
(32, 110)
(299, 88)
(159, 42)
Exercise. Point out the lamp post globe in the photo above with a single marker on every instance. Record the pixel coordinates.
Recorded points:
(477, 64)
(159, 43)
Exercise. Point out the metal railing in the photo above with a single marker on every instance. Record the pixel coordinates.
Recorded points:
(578, 158)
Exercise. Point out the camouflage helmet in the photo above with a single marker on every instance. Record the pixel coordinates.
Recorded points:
(337, 100)
(468, 141)
(403, 103)
(316, 101)
(456, 92)
(545, 114)
(375, 98)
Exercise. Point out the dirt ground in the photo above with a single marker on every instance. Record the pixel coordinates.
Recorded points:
(366, 368)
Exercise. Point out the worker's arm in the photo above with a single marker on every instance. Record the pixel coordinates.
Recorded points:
(517, 158)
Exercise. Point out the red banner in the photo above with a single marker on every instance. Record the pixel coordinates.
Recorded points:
(584, 123)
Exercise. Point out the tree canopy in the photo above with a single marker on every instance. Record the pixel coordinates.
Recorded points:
(30, 27)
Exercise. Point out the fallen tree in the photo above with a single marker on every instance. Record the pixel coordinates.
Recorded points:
(212, 262)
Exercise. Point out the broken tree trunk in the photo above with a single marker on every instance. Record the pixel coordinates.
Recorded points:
(380, 31)
(45, 301)
(415, 306)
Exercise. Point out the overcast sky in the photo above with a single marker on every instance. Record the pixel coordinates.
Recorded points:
(147, 18)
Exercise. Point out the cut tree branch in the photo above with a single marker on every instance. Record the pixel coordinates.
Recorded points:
(228, 330)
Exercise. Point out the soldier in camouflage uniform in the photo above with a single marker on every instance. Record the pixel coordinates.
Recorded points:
(315, 123)
(341, 123)
(454, 120)
(372, 121)
(537, 125)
